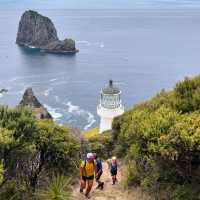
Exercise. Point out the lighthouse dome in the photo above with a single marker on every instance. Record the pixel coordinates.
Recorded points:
(110, 96)
(110, 89)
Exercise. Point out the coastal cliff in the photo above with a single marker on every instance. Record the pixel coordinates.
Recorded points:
(38, 31)
(30, 100)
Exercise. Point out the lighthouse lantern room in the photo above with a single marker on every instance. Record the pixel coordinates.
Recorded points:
(110, 106)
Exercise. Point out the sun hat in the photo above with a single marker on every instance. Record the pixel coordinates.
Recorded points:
(90, 155)
(114, 158)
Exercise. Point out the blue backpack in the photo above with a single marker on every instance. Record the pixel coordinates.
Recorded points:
(99, 165)
(113, 167)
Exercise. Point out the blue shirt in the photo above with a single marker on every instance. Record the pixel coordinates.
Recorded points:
(99, 165)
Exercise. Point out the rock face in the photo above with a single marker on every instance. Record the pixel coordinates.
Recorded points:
(3, 91)
(31, 101)
(38, 31)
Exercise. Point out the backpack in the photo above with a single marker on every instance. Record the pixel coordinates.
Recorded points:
(99, 164)
(85, 163)
(113, 167)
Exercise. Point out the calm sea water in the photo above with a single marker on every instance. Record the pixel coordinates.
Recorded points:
(142, 50)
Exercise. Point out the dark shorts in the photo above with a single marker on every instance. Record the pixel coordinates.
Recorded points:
(113, 172)
(99, 175)
(85, 178)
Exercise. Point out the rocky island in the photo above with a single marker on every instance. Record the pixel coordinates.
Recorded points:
(38, 31)
(3, 91)
(30, 100)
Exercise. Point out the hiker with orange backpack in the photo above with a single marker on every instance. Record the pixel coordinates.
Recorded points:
(88, 171)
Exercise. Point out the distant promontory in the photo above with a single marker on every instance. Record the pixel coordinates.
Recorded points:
(38, 31)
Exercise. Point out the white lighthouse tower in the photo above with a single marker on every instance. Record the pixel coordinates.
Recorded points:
(110, 106)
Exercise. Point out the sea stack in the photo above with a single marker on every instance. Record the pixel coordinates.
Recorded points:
(30, 100)
(38, 31)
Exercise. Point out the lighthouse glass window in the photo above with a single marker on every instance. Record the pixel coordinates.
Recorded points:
(110, 101)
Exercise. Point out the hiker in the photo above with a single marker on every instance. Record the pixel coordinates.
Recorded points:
(112, 165)
(87, 172)
(99, 172)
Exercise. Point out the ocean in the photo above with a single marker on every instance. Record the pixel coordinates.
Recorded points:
(142, 50)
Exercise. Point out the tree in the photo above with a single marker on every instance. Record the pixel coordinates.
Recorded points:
(31, 150)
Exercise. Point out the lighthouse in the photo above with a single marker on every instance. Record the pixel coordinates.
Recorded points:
(110, 106)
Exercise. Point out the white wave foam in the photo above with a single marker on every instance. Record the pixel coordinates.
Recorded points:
(53, 111)
(99, 44)
(23, 77)
(87, 43)
(78, 111)
(59, 83)
(83, 42)
(72, 108)
(31, 47)
(53, 79)
(90, 121)
(1, 95)
(35, 76)
(47, 92)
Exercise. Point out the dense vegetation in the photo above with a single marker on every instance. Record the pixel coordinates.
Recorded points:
(102, 144)
(161, 141)
(34, 155)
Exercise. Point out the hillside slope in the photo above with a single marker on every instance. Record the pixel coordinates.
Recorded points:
(161, 141)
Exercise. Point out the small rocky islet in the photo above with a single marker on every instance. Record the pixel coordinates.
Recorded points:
(38, 31)
(31, 101)
(3, 91)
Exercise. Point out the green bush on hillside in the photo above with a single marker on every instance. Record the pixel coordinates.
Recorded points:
(187, 95)
(11, 190)
(162, 138)
(31, 150)
(102, 144)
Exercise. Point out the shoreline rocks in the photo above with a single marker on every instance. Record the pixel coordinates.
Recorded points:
(30, 100)
(38, 31)
(3, 91)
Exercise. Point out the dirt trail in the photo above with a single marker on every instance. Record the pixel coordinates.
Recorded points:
(110, 192)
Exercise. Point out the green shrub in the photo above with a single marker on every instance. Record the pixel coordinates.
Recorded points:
(133, 178)
(162, 137)
(185, 192)
(58, 188)
(32, 150)
(102, 144)
(187, 94)
(12, 191)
